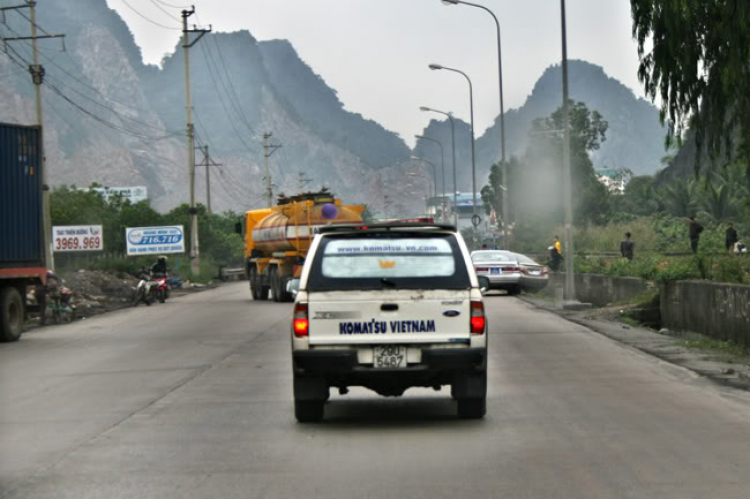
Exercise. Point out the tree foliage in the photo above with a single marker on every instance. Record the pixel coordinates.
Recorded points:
(698, 66)
(72, 206)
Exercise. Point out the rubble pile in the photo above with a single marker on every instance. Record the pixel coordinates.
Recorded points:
(95, 291)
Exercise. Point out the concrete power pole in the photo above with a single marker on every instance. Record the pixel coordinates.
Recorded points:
(268, 151)
(37, 77)
(569, 290)
(207, 162)
(194, 250)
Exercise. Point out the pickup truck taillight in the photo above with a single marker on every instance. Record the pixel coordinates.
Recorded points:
(301, 323)
(477, 317)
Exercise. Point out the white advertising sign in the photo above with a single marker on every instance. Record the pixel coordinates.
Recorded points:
(135, 194)
(77, 238)
(155, 240)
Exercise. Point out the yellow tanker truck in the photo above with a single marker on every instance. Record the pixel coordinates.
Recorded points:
(277, 239)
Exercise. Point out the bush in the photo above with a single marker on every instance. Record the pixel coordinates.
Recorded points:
(730, 269)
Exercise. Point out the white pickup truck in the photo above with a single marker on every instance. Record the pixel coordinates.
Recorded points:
(388, 307)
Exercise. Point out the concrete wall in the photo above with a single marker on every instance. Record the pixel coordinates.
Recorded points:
(601, 290)
(721, 311)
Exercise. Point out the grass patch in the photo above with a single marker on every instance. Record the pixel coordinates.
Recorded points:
(723, 348)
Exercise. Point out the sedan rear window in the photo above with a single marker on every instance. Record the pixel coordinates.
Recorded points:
(491, 256)
(387, 261)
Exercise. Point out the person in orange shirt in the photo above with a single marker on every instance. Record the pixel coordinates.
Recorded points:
(558, 245)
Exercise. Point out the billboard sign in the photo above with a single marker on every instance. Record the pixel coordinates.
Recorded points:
(77, 238)
(134, 194)
(155, 240)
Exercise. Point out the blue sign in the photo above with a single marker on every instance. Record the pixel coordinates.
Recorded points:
(155, 240)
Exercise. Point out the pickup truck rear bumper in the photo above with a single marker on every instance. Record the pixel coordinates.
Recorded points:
(317, 370)
(341, 361)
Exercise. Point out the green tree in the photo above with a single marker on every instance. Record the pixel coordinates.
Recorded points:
(695, 57)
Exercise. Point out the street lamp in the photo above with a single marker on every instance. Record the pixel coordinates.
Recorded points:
(434, 173)
(473, 162)
(503, 167)
(453, 146)
(442, 166)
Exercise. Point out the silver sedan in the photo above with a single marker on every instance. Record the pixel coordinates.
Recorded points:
(533, 275)
(500, 267)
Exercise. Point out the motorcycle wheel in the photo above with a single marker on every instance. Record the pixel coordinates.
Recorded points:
(162, 296)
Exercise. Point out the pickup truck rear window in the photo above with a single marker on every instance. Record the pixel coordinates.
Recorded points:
(388, 261)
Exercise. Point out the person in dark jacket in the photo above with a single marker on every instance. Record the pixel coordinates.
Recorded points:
(160, 267)
(627, 246)
(731, 237)
(695, 233)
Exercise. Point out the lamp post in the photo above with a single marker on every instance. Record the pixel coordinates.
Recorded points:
(503, 166)
(567, 184)
(442, 167)
(435, 67)
(434, 173)
(453, 147)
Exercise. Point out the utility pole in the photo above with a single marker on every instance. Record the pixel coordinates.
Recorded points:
(186, 44)
(37, 77)
(569, 290)
(268, 150)
(208, 163)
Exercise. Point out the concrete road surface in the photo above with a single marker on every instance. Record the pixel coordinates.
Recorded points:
(193, 399)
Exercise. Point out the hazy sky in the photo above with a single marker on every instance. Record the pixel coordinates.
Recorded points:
(375, 52)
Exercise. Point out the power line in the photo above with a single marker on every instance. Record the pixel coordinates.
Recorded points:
(173, 6)
(147, 19)
(223, 105)
(165, 11)
(80, 81)
(231, 86)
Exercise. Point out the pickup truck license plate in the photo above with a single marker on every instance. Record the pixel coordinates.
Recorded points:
(389, 356)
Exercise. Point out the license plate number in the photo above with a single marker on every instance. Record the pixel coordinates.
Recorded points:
(494, 271)
(389, 357)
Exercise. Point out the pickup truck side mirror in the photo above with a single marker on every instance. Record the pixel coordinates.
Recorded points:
(292, 286)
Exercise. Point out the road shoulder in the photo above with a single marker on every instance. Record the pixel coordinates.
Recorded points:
(724, 369)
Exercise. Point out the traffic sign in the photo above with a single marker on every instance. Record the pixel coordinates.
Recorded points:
(476, 220)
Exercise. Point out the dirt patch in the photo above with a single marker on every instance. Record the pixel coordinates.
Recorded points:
(96, 292)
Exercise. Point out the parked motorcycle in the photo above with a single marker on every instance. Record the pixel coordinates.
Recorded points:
(162, 287)
(145, 291)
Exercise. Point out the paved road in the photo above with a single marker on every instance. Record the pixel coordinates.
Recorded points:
(192, 399)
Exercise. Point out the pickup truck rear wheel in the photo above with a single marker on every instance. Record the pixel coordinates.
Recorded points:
(309, 411)
(472, 408)
(11, 315)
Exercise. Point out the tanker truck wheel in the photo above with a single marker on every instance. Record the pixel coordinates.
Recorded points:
(11, 314)
(273, 277)
(256, 289)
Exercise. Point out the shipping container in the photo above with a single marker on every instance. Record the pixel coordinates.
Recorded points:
(21, 214)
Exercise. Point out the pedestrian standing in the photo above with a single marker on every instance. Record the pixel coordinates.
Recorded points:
(731, 237)
(695, 233)
(555, 255)
(627, 246)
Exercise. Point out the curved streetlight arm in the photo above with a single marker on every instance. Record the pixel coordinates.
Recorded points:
(500, 80)
(473, 160)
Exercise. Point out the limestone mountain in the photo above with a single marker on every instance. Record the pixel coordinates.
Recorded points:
(635, 138)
